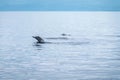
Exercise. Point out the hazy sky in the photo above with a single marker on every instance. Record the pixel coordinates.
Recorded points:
(60, 5)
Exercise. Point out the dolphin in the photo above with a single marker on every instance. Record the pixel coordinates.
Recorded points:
(63, 34)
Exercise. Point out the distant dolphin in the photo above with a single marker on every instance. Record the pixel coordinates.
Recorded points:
(63, 34)
(39, 39)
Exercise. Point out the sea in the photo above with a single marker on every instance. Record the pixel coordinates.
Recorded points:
(88, 50)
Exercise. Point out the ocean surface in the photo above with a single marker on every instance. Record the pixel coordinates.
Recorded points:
(89, 51)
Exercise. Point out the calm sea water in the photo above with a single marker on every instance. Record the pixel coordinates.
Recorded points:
(92, 52)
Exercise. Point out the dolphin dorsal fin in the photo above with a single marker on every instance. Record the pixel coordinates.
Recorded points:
(39, 39)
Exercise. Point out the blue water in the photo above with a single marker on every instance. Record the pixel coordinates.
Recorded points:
(91, 52)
